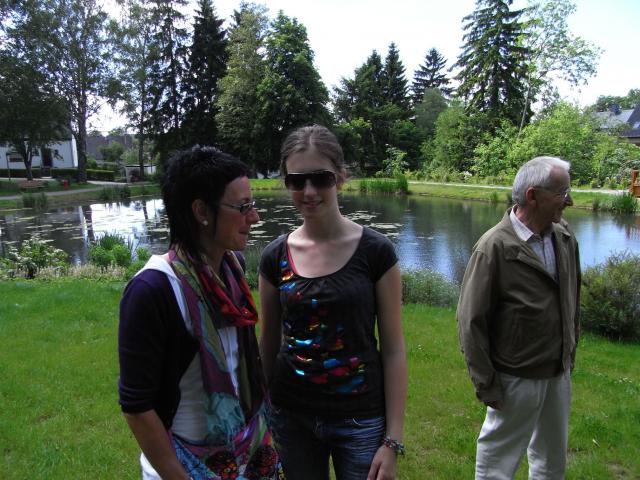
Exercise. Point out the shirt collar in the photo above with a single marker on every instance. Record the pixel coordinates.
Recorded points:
(523, 232)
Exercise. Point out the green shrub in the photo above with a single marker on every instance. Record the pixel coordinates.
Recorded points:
(33, 255)
(111, 249)
(103, 175)
(625, 203)
(610, 297)
(384, 185)
(428, 287)
(38, 201)
(64, 173)
(100, 256)
(121, 255)
(143, 254)
(494, 197)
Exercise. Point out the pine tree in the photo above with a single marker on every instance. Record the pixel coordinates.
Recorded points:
(207, 65)
(167, 76)
(492, 61)
(429, 75)
(237, 106)
(395, 89)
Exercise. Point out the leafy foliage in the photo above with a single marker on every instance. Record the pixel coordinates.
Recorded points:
(429, 288)
(33, 255)
(291, 93)
(111, 250)
(610, 297)
(237, 105)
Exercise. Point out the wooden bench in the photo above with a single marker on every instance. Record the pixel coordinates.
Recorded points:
(27, 185)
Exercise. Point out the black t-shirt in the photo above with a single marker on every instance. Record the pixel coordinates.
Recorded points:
(329, 364)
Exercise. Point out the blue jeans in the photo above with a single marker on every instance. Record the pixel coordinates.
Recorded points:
(305, 443)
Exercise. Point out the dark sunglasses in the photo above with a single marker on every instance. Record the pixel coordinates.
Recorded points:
(319, 179)
(243, 208)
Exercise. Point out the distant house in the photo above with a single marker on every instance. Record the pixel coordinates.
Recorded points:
(94, 142)
(60, 154)
(628, 121)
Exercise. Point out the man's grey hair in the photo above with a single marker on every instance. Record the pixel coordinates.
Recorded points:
(535, 173)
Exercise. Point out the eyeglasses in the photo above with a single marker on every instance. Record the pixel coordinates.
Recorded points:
(319, 179)
(243, 208)
(565, 194)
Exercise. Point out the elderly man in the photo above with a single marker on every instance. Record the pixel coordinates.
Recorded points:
(518, 323)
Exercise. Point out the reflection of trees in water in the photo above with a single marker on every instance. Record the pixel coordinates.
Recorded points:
(630, 224)
(88, 222)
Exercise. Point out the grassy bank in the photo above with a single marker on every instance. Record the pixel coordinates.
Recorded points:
(60, 417)
(493, 194)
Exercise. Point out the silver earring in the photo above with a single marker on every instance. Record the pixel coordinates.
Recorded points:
(205, 223)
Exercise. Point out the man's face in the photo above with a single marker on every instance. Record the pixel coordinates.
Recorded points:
(553, 199)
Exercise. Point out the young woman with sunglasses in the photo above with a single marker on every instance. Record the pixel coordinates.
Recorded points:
(322, 288)
(191, 384)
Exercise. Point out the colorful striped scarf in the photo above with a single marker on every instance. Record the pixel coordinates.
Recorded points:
(238, 439)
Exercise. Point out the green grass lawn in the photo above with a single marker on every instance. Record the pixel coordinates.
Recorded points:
(60, 418)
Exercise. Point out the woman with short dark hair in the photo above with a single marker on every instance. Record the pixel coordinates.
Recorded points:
(191, 384)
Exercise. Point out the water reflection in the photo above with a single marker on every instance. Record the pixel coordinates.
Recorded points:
(428, 232)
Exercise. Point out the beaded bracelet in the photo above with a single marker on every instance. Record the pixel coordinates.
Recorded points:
(394, 445)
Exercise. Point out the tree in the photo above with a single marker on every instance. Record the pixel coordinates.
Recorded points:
(66, 40)
(207, 65)
(492, 62)
(456, 137)
(291, 93)
(553, 52)
(134, 55)
(237, 106)
(395, 89)
(429, 75)
(566, 133)
(31, 115)
(167, 75)
(428, 110)
(361, 101)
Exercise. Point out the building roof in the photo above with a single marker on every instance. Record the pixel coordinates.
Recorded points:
(614, 117)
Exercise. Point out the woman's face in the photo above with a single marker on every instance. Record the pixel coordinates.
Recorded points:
(233, 226)
(312, 200)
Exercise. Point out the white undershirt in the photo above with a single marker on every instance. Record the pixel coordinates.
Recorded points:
(190, 421)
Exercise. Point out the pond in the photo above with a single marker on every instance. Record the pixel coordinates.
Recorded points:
(429, 233)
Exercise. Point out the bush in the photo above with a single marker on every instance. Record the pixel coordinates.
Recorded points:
(111, 250)
(38, 201)
(103, 175)
(64, 173)
(33, 255)
(625, 203)
(428, 287)
(385, 185)
(610, 298)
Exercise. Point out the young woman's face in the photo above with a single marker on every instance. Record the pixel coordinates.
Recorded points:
(313, 181)
(232, 225)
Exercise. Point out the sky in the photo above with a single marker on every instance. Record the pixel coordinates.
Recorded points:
(343, 33)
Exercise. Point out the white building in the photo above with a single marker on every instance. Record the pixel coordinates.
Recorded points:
(60, 154)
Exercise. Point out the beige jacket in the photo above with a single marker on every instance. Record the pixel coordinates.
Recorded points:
(513, 316)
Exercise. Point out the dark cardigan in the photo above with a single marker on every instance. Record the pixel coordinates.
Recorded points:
(154, 347)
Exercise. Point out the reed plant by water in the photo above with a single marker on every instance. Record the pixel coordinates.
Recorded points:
(624, 203)
(384, 185)
(38, 201)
